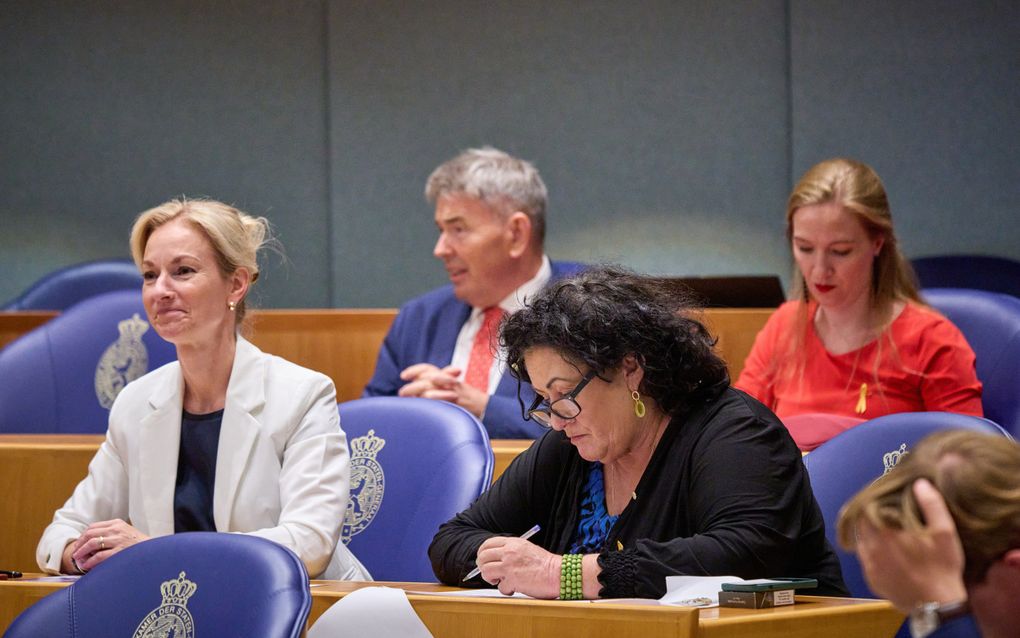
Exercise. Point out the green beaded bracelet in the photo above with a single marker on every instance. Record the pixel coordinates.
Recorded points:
(570, 577)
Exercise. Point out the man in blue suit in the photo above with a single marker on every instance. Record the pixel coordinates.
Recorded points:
(490, 212)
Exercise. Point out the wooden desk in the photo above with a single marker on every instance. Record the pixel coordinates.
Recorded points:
(735, 329)
(16, 323)
(38, 472)
(506, 450)
(448, 617)
(468, 617)
(18, 595)
(343, 343)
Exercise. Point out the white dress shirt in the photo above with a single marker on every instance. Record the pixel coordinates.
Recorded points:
(510, 304)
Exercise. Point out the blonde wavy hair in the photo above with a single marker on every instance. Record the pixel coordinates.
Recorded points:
(236, 237)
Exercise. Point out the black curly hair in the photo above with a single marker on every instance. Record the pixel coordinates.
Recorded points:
(606, 313)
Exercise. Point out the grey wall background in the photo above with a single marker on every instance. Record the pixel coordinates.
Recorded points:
(669, 132)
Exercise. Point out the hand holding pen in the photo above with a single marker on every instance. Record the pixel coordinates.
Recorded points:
(525, 536)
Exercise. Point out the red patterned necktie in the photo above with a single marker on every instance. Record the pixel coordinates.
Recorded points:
(483, 350)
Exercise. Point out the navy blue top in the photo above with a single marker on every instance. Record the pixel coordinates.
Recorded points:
(595, 523)
(196, 472)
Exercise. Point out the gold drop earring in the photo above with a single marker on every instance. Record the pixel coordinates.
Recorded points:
(639, 405)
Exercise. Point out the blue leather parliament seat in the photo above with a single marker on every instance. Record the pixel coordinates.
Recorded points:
(842, 466)
(991, 323)
(979, 272)
(62, 377)
(184, 585)
(414, 464)
(63, 288)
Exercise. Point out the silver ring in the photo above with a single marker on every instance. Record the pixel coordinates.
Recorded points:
(102, 544)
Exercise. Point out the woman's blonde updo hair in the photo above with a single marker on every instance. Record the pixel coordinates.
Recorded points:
(856, 187)
(236, 237)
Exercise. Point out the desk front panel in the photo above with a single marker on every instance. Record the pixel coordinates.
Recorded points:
(37, 475)
(13, 324)
(521, 618)
(344, 343)
(810, 616)
(448, 617)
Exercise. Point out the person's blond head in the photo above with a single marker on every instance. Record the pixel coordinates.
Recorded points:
(977, 474)
(857, 188)
(236, 237)
(505, 182)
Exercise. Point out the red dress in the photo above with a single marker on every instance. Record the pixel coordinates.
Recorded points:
(920, 363)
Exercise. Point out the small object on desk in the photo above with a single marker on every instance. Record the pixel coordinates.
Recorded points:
(770, 584)
(525, 536)
(693, 591)
(699, 601)
(756, 599)
(10, 573)
(762, 593)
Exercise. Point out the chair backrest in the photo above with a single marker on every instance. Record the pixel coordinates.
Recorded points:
(414, 464)
(199, 583)
(62, 377)
(811, 429)
(979, 272)
(842, 466)
(991, 323)
(63, 288)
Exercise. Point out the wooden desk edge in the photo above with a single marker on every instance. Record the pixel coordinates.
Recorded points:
(325, 593)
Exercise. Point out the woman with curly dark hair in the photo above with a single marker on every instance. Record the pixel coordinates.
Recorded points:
(653, 465)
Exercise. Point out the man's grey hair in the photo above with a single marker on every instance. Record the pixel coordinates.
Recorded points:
(501, 180)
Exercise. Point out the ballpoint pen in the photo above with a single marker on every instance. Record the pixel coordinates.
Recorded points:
(525, 536)
(10, 574)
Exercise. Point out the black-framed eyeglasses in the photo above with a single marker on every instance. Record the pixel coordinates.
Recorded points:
(565, 407)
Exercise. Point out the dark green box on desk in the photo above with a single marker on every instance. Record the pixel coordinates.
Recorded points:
(756, 599)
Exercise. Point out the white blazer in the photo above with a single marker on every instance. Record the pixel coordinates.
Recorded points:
(282, 466)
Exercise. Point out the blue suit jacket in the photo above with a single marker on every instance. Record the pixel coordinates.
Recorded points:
(425, 331)
(963, 627)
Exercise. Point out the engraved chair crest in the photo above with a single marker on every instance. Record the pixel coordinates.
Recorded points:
(123, 361)
(368, 484)
(890, 459)
(171, 618)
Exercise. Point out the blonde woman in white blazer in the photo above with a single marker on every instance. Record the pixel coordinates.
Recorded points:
(281, 463)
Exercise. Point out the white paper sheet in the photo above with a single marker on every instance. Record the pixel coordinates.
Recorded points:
(695, 591)
(64, 578)
(379, 612)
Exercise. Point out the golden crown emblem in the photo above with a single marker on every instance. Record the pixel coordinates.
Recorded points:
(368, 445)
(890, 459)
(177, 592)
